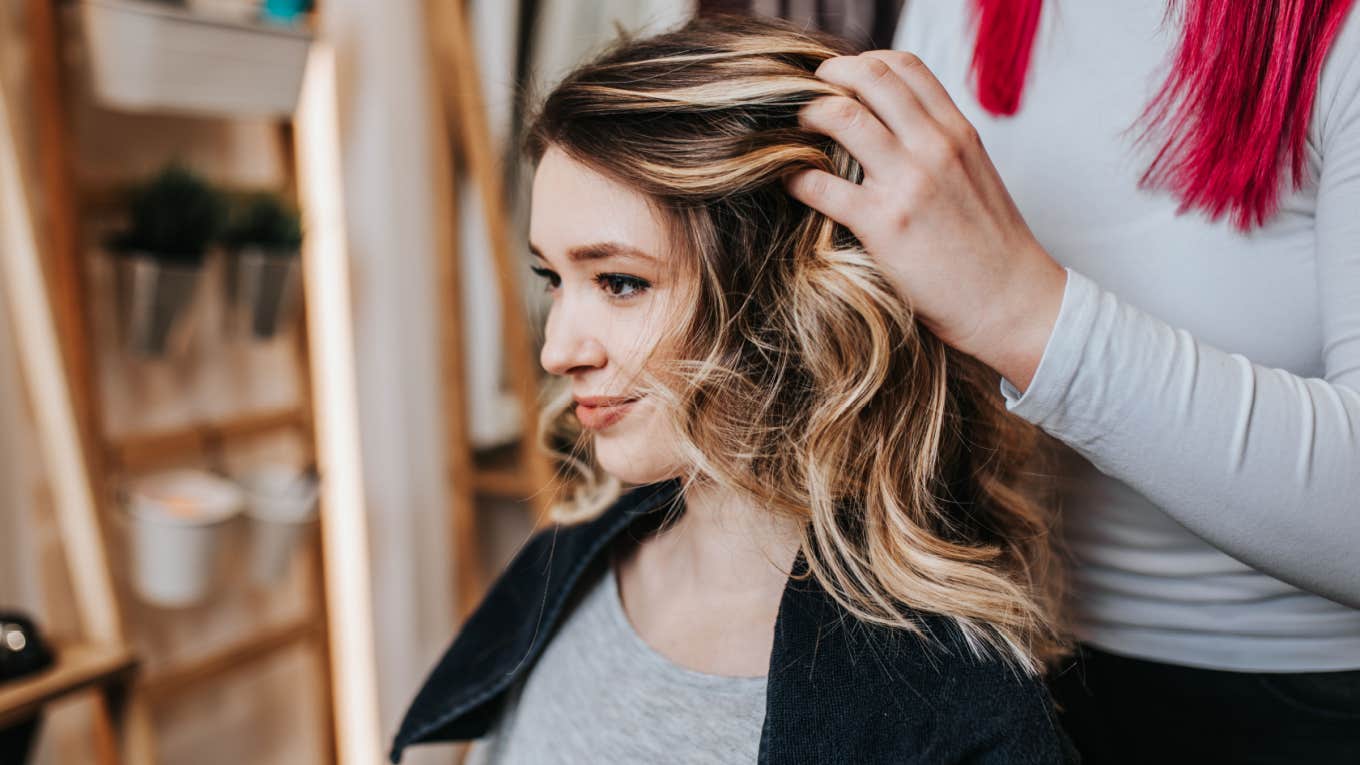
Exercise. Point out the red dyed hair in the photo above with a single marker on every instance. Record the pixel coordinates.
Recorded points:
(1234, 108)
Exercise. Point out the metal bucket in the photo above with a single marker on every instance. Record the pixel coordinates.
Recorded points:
(262, 291)
(153, 296)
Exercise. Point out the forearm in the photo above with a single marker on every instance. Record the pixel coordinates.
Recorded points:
(1261, 463)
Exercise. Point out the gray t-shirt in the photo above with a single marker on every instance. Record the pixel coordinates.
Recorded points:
(599, 693)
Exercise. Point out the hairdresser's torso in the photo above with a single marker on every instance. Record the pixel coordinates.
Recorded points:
(1144, 585)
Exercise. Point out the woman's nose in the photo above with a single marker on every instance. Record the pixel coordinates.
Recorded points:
(569, 346)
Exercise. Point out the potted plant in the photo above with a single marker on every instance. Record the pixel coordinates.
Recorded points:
(263, 240)
(173, 220)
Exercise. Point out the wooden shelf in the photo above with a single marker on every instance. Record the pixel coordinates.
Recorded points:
(501, 473)
(72, 429)
(79, 666)
(145, 450)
(250, 650)
(107, 198)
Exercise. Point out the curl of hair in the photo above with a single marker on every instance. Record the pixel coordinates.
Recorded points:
(802, 379)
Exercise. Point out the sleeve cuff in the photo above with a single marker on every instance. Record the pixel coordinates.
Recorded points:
(1062, 355)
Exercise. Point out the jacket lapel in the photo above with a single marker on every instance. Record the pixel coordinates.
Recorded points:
(465, 690)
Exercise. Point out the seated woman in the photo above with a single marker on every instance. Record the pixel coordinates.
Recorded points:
(798, 527)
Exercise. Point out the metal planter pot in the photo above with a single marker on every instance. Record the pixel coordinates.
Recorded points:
(263, 290)
(158, 56)
(154, 295)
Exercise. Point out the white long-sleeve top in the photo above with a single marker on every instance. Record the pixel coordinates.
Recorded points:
(1206, 381)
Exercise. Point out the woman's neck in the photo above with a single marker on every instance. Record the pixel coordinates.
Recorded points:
(723, 540)
(705, 592)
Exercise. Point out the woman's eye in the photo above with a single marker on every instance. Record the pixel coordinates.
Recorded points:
(616, 285)
(622, 285)
(554, 281)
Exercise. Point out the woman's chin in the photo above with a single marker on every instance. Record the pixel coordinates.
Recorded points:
(633, 463)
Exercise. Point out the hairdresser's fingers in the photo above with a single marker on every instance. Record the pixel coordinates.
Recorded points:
(882, 90)
(829, 194)
(853, 126)
(929, 92)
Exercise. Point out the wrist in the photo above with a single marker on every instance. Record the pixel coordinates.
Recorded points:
(1026, 322)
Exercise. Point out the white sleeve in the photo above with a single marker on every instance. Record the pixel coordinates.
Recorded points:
(1261, 463)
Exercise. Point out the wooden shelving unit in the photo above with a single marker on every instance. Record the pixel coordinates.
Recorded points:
(124, 728)
(105, 660)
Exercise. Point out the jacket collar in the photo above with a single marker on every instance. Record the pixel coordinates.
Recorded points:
(839, 689)
(517, 618)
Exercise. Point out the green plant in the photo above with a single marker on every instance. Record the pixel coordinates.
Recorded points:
(175, 217)
(265, 221)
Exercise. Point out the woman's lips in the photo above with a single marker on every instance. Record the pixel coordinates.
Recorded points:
(602, 416)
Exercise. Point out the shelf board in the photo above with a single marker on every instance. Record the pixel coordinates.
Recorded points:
(79, 666)
(261, 645)
(500, 473)
(148, 449)
(107, 197)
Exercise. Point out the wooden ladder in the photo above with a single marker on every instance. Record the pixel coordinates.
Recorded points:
(102, 659)
(82, 459)
(519, 472)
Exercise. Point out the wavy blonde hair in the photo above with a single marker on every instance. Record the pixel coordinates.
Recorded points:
(802, 379)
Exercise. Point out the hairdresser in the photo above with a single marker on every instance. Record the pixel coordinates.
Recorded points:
(1146, 219)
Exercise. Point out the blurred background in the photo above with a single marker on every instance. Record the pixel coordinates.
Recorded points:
(268, 349)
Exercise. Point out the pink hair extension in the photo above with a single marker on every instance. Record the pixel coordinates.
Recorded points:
(1234, 108)
(1001, 56)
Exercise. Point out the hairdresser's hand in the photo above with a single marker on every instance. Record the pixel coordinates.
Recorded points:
(934, 211)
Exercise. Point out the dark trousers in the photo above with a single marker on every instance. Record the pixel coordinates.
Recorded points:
(1121, 710)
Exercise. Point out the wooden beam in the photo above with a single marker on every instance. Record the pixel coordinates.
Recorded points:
(50, 390)
(330, 332)
(469, 574)
(482, 157)
(68, 291)
(78, 666)
(145, 450)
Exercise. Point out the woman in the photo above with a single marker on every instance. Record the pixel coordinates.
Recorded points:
(1183, 311)
(830, 549)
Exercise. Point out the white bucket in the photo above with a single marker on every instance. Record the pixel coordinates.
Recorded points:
(280, 503)
(154, 56)
(177, 521)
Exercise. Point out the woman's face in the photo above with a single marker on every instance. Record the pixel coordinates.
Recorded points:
(606, 258)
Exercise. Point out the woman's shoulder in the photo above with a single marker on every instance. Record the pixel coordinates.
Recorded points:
(910, 696)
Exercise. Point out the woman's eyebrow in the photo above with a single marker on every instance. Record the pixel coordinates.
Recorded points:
(599, 251)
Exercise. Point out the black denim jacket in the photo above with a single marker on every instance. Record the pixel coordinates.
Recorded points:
(839, 690)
